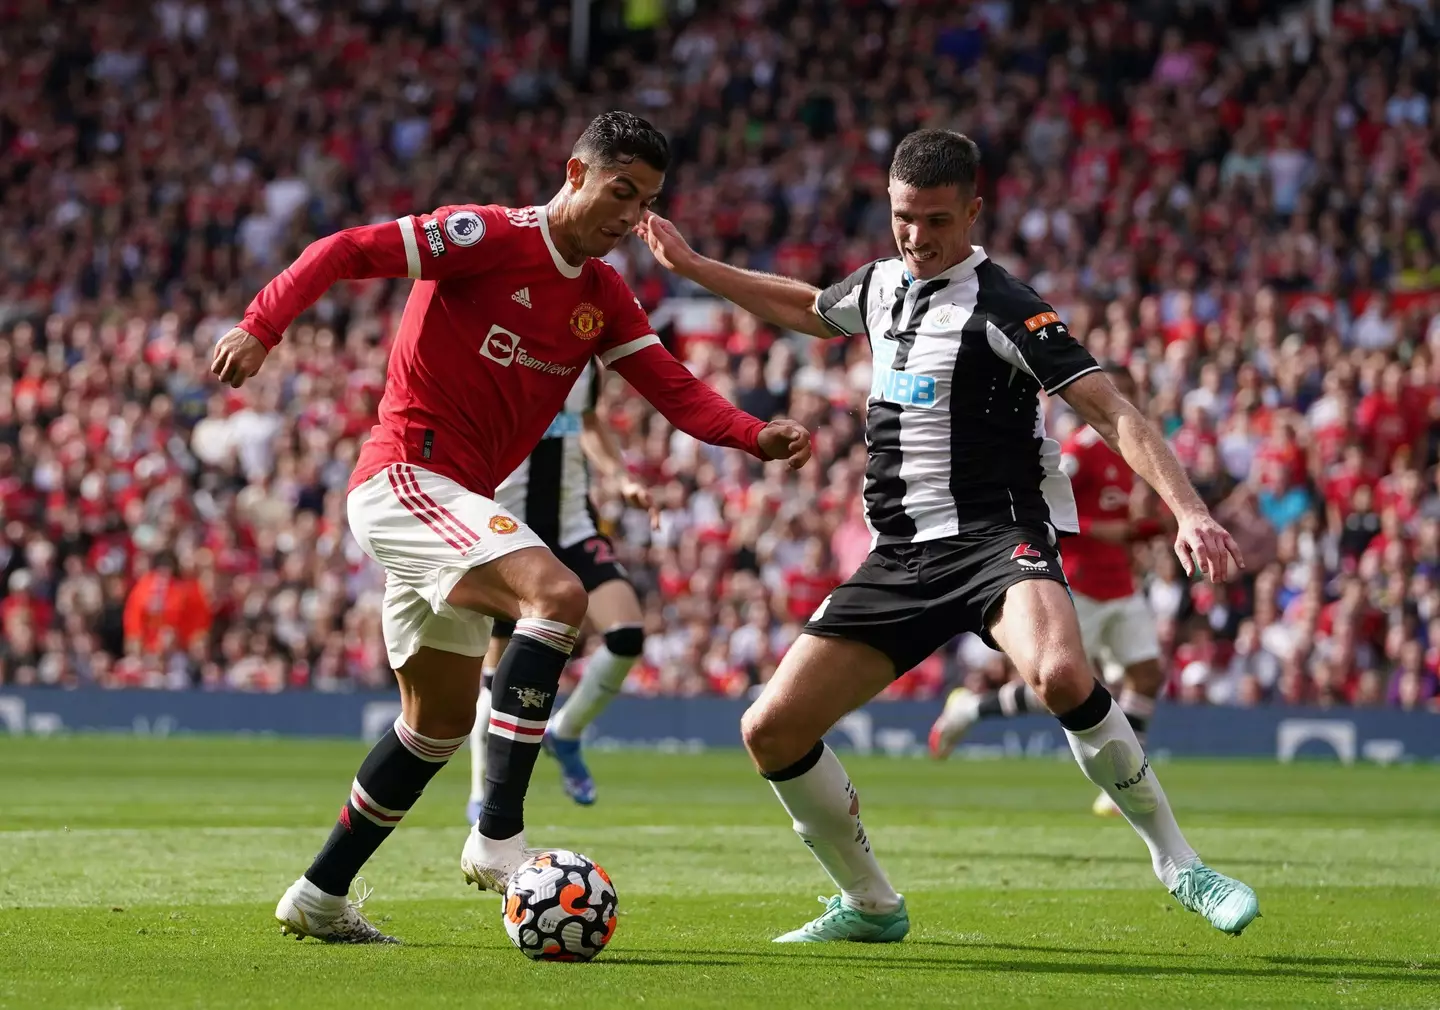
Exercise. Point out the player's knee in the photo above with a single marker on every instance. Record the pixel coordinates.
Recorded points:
(442, 722)
(1145, 677)
(1061, 679)
(561, 598)
(770, 742)
(627, 640)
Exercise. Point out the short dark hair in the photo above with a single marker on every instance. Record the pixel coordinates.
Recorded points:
(927, 159)
(620, 138)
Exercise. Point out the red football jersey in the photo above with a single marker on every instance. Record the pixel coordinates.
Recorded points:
(497, 328)
(1102, 482)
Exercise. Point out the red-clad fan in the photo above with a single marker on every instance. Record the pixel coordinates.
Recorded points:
(1115, 622)
(508, 308)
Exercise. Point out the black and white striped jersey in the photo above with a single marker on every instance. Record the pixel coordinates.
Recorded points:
(550, 490)
(953, 423)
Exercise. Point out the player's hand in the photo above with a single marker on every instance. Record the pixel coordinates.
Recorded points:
(1202, 543)
(637, 495)
(665, 242)
(238, 356)
(786, 439)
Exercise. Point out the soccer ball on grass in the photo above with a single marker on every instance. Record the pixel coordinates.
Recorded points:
(560, 906)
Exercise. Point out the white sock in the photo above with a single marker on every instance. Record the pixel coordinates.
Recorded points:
(825, 810)
(477, 740)
(604, 673)
(1139, 709)
(1113, 759)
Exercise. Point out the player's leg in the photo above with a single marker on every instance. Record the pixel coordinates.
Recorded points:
(550, 604)
(615, 614)
(436, 652)
(437, 697)
(1131, 641)
(499, 639)
(1034, 622)
(964, 708)
(819, 681)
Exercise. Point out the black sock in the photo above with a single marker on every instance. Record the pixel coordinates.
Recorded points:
(1139, 709)
(390, 780)
(1089, 713)
(520, 702)
(1013, 698)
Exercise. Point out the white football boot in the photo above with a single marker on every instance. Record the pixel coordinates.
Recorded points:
(962, 710)
(305, 910)
(1104, 806)
(488, 863)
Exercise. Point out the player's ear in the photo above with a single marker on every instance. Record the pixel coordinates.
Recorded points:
(973, 211)
(575, 173)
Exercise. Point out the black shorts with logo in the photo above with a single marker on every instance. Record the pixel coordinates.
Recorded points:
(907, 600)
(594, 563)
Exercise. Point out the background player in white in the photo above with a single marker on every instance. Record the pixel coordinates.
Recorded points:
(964, 495)
(1116, 624)
(475, 377)
(550, 492)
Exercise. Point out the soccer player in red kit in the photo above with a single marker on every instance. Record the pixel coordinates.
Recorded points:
(508, 306)
(1115, 622)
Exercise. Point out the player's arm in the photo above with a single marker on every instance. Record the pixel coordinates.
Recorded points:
(434, 246)
(782, 301)
(1127, 431)
(1025, 331)
(631, 347)
(698, 410)
(602, 452)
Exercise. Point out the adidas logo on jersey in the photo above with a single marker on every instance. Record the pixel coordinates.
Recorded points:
(522, 296)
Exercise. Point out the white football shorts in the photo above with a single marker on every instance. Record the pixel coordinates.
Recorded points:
(427, 531)
(1119, 632)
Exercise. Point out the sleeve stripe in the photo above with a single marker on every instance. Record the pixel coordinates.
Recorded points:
(412, 248)
(625, 350)
(1061, 385)
(838, 331)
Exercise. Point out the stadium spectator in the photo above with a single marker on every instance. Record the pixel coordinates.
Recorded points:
(1246, 219)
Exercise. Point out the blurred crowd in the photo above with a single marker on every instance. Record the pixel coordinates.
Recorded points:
(1246, 218)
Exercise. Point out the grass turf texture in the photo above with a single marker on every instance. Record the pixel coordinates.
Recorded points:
(143, 873)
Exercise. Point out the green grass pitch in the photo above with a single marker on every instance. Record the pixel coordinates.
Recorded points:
(142, 873)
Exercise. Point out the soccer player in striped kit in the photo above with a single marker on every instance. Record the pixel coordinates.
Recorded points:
(966, 498)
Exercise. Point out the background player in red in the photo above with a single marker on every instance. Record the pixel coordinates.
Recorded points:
(508, 308)
(1115, 622)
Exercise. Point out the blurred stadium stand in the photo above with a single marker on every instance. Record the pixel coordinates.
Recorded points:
(1240, 202)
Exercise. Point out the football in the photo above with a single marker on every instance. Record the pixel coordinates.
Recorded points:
(560, 906)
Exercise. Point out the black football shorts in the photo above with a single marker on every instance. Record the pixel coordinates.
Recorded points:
(907, 600)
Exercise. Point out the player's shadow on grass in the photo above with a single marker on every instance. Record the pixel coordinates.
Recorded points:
(697, 960)
(1076, 858)
(1108, 966)
(1355, 962)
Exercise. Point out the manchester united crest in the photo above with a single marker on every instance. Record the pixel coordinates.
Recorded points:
(503, 524)
(586, 321)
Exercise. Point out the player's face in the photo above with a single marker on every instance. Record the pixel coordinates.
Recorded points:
(611, 201)
(932, 226)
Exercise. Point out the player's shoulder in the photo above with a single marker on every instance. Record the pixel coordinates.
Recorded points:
(468, 224)
(1006, 297)
(884, 273)
(611, 286)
